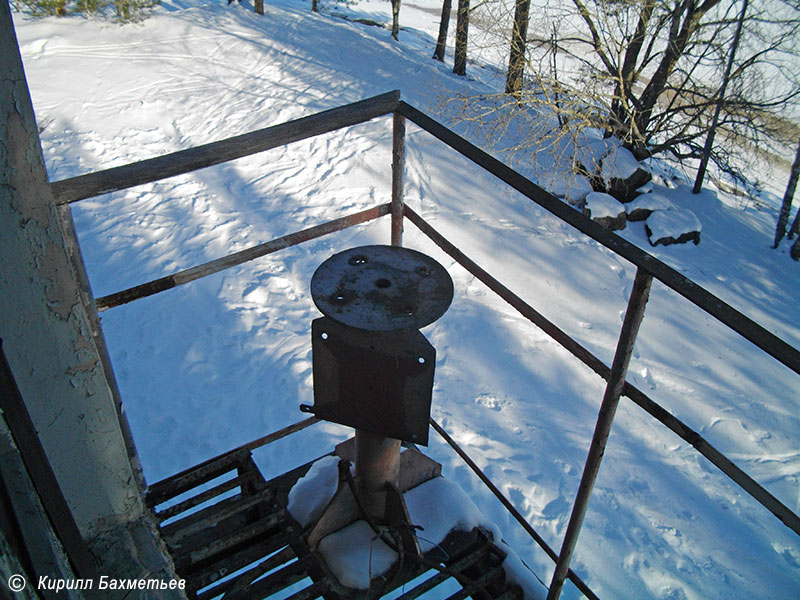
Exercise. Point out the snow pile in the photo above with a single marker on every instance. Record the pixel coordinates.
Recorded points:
(356, 555)
(439, 506)
(620, 163)
(605, 209)
(644, 204)
(677, 226)
(572, 187)
(600, 204)
(590, 148)
(312, 492)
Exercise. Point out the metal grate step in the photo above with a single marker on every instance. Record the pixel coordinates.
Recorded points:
(231, 537)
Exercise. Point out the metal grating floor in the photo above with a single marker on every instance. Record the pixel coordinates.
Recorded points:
(231, 537)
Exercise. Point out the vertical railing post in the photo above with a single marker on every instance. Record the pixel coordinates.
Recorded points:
(616, 380)
(398, 165)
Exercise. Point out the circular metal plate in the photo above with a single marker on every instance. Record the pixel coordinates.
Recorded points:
(382, 288)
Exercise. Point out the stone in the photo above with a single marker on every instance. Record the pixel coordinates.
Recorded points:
(605, 210)
(677, 226)
(623, 175)
(641, 207)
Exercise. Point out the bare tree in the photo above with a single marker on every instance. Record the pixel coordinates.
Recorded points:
(395, 18)
(786, 206)
(519, 43)
(441, 41)
(649, 72)
(462, 31)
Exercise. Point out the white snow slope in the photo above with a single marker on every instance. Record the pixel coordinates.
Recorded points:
(221, 361)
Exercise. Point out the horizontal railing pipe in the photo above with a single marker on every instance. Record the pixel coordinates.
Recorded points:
(215, 266)
(188, 478)
(572, 576)
(686, 433)
(716, 307)
(199, 157)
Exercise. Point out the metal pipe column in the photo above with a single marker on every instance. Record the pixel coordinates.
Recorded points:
(616, 381)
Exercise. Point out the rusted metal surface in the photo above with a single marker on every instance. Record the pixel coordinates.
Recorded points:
(237, 258)
(379, 382)
(185, 161)
(619, 369)
(573, 577)
(213, 467)
(377, 468)
(382, 288)
(747, 483)
(398, 166)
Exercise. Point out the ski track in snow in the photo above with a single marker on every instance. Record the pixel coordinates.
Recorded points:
(224, 360)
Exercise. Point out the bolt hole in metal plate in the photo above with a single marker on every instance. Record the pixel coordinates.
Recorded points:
(382, 288)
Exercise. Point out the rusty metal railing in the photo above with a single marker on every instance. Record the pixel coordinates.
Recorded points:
(648, 269)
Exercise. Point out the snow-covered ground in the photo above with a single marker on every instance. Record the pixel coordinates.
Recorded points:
(226, 359)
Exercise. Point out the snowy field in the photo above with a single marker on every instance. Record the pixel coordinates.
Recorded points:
(221, 361)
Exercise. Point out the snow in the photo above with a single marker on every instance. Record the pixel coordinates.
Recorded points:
(672, 224)
(570, 186)
(312, 492)
(356, 555)
(601, 205)
(619, 163)
(438, 506)
(590, 148)
(650, 201)
(435, 507)
(224, 360)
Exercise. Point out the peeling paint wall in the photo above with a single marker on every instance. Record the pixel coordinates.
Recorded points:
(49, 344)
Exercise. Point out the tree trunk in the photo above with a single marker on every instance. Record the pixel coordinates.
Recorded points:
(462, 31)
(259, 7)
(795, 228)
(441, 41)
(624, 88)
(685, 21)
(786, 207)
(794, 252)
(519, 42)
(395, 18)
(314, 7)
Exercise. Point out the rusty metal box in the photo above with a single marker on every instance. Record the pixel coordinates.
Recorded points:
(380, 382)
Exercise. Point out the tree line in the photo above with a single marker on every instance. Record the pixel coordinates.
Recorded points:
(124, 11)
(701, 81)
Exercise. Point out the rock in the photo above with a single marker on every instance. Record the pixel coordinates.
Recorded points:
(623, 175)
(625, 190)
(677, 226)
(572, 187)
(605, 210)
(643, 205)
(590, 148)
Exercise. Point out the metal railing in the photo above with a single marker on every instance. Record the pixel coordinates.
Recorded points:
(648, 268)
